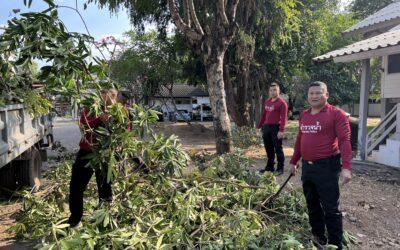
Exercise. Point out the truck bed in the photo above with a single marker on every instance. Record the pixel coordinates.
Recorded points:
(19, 131)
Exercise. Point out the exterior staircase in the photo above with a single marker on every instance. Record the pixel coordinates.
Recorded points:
(383, 142)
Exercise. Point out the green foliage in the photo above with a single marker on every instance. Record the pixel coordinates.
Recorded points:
(364, 8)
(35, 104)
(320, 32)
(235, 165)
(148, 56)
(244, 137)
(154, 206)
(43, 36)
(141, 12)
(201, 210)
(117, 147)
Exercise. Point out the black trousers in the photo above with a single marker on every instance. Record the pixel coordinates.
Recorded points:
(80, 178)
(321, 190)
(273, 146)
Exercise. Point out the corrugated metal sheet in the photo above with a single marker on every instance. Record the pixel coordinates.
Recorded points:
(396, 28)
(384, 40)
(388, 13)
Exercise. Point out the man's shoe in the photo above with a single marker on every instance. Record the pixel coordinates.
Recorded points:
(279, 171)
(75, 224)
(269, 169)
(319, 241)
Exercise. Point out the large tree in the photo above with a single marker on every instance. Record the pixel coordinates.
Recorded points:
(267, 20)
(208, 29)
(210, 40)
(276, 41)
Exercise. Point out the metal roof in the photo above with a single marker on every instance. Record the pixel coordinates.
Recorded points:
(385, 40)
(387, 14)
(181, 90)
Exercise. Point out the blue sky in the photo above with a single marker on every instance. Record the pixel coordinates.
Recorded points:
(99, 21)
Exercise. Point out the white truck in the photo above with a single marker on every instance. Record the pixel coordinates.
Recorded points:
(23, 144)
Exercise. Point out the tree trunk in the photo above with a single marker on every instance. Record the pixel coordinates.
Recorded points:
(216, 89)
(242, 97)
(230, 95)
(257, 101)
(211, 42)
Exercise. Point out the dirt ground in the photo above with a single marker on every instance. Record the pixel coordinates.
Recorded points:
(370, 202)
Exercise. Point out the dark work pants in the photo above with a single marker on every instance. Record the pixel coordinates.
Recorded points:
(81, 175)
(321, 190)
(273, 145)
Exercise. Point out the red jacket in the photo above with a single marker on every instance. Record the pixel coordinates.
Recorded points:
(275, 112)
(323, 135)
(88, 122)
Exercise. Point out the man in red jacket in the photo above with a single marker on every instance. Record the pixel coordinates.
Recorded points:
(273, 122)
(323, 144)
(81, 173)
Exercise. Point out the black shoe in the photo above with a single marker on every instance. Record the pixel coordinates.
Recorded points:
(74, 223)
(279, 171)
(319, 241)
(269, 169)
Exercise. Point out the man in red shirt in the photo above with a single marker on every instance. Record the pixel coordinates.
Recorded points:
(81, 173)
(323, 144)
(273, 123)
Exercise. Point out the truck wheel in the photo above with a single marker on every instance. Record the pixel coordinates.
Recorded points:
(7, 178)
(22, 172)
(43, 154)
(28, 169)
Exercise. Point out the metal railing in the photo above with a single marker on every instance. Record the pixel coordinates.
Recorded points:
(389, 124)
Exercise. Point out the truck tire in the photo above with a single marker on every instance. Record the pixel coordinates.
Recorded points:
(23, 172)
(43, 155)
(7, 178)
(28, 171)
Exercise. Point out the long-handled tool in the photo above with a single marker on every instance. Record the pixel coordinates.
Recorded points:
(273, 197)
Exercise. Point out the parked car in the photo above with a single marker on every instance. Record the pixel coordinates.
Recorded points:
(206, 113)
(196, 112)
(182, 115)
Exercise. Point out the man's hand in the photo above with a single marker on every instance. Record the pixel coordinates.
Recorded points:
(280, 135)
(345, 176)
(293, 168)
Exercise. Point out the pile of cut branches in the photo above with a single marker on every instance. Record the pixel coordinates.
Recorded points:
(155, 206)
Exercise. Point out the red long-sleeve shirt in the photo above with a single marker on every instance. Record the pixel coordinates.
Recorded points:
(323, 135)
(88, 122)
(275, 112)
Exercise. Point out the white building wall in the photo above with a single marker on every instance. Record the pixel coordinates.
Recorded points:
(390, 82)
(203, 100)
